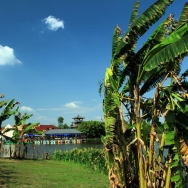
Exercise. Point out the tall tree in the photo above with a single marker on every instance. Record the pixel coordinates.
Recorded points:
(60, 121)
(131, 74)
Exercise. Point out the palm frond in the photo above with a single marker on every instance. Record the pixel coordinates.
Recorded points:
(30, 127)
(134, 12)
(141, 25)
(126, 87)
(116, 39)
(173, 47)
(153, 79)
(174, 66)
(184, 15)
(159, 33)
(7, 112)
(20, 120)
(155, 38)
(8, 107)
(3, 103)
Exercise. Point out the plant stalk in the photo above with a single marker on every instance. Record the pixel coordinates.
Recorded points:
(167, 184)
(142, 182)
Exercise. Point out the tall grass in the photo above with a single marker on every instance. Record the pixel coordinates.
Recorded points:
(91, 158)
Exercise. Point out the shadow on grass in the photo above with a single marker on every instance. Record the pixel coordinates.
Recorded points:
(7, 175)
(10, 175)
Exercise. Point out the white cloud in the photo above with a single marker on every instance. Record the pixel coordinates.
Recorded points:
(65, 107)
(50, 109)
(44, 119)
(7, 56)
(54, 23)
(27, 109)
(72, 105)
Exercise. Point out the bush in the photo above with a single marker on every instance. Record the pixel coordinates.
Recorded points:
(90, 158)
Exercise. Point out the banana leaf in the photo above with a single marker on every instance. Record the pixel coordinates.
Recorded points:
(141, 25)
(172, 47)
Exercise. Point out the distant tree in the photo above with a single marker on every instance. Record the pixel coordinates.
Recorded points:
(65, 126)
(92, 129)
(60, 122)
(62, 125)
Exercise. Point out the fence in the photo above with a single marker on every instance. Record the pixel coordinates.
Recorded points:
(28, 151)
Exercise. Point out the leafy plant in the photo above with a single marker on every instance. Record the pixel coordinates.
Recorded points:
(137, 162)
(92, 129)
(91, 158)
(19, 128)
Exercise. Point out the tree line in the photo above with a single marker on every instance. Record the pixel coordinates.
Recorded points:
(92, 129)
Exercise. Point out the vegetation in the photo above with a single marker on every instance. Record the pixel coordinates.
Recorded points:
(90, 158)
(62, 125)
(92, 129)
(135, 155)
(48, 173)
(19, 122)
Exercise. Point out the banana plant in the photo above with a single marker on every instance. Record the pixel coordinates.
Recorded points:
(174, 135)
(8, 110)
(20, 122)
(131, 74)
(20, 129)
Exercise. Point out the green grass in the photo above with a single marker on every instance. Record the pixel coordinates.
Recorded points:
(48, 174)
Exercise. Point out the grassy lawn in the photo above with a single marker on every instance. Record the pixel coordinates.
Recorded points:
(48, 174)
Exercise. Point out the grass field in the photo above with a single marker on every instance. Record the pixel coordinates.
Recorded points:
(48, 174)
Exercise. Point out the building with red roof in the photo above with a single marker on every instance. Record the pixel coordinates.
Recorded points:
(44, 128)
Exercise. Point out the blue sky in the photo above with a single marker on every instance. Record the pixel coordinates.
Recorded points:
(53, 53)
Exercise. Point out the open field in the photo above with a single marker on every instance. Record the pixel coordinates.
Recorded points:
(48, 174)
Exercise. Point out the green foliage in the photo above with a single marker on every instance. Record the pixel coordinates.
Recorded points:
(19, 123)
(183, 17)
(8, 109)
(60, 119)
(169, 49)
(60, 122)
(63, 126)
(91, 158)
(135, 73)
(92, 129)
(20, 129)
(141, 25)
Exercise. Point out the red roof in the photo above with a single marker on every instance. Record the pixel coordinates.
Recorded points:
(44, 127)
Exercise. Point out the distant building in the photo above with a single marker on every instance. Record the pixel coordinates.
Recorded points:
(62, 133)
(77, 121)
(43, 128)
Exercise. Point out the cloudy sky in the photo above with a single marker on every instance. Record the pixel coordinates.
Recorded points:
(54, 53)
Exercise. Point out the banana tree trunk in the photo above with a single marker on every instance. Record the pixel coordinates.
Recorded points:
(116, 153)
(142, 181)
(153, 134)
